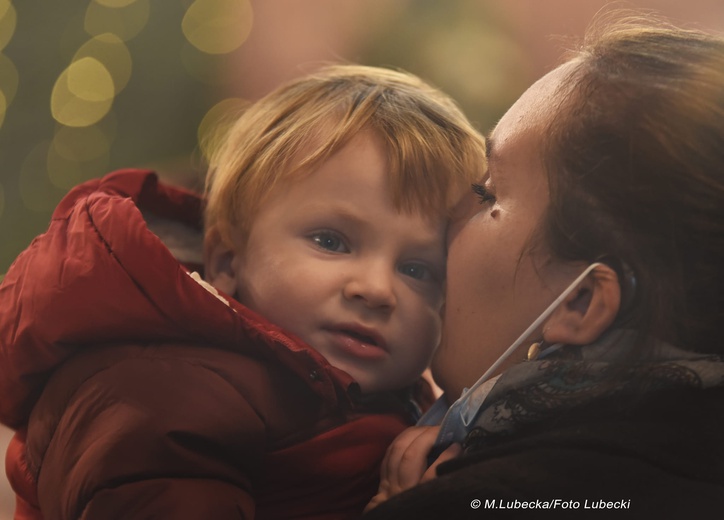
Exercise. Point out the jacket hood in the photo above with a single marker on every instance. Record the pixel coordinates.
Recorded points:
(99, 275)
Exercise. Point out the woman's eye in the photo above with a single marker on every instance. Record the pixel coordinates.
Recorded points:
(330, 242)
(484, 195)
(416, 271)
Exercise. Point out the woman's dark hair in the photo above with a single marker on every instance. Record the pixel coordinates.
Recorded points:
(635, 160)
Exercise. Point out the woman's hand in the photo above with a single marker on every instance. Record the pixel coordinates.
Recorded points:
(405, 463)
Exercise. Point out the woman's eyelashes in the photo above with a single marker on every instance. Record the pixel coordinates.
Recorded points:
(483, 194)
(329, 241)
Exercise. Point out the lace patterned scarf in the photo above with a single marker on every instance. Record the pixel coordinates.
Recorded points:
(572, 377)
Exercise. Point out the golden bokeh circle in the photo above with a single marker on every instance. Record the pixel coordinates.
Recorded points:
(80, 144)
(218, 26)
(3, 108)
(112, 52)
(114, 3)
(216, 123)
(66, 172)
(89, 80)
(83, 93)
(125, 22)
(36, 191)
(8, 22)
(8, 78)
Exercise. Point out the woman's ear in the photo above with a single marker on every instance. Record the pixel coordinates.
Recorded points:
(219, 262)
(588, 311)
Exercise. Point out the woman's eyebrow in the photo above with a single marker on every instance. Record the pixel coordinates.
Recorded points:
(488, 146)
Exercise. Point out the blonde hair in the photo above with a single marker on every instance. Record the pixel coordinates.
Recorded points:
(433, 151)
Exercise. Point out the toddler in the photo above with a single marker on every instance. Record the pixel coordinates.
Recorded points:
(271, 387)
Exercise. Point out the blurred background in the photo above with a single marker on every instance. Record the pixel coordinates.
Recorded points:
(88, 86)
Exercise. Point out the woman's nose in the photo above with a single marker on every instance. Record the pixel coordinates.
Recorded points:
(372, 284)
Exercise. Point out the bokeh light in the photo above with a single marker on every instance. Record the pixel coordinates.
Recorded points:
(8, 78)
(76, 154)
(125, 21)
(8, 21)
(81, 144)
(3, 108)
(454, 55)
(8, 71)
(112, 52)
(114, 3)
(36, 191)
(83, 93)
(218, 26)
(216, 123)
(89, 80)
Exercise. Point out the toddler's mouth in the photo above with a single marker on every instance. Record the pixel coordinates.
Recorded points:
(361, 337)
(365, 335)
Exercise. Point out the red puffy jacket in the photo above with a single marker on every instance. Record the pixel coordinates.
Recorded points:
(139, 393)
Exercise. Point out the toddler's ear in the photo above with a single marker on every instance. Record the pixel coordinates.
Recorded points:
(588, 311)
(218, 262)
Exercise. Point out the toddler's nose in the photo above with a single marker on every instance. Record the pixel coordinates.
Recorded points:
(372, 283)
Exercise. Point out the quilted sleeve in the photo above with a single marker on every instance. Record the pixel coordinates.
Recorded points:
(152, 438)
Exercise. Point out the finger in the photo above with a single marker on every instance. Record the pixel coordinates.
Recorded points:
(393, 453)
(396, 452)
(451, 452)
(414, 459)
(376, 500)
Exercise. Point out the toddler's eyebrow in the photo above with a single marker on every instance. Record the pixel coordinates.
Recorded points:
(340, 212)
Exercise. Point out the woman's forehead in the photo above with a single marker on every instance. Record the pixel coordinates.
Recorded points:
(535, 106)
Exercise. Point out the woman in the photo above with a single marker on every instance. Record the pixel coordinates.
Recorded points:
(605, 196)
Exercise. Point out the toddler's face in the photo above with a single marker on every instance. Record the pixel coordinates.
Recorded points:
(329, 259)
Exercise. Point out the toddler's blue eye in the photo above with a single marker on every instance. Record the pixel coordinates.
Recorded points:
(416, 271)
(330, 241)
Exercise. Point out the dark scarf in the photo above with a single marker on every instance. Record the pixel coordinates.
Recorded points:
(574, 377)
